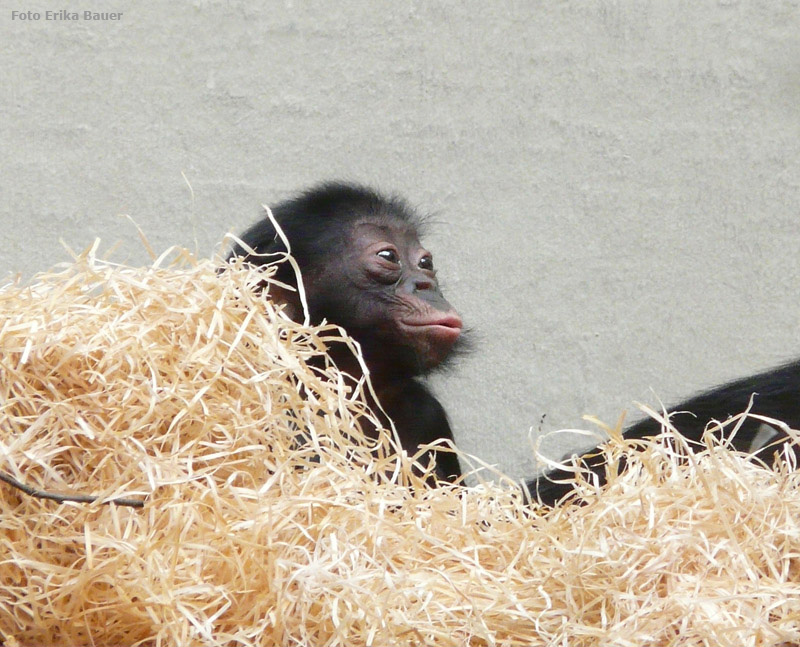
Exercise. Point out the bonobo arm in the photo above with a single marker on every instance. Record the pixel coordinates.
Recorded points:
(775, 394)
(420, 419)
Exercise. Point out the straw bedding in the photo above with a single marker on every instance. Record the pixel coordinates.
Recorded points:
(268, 518)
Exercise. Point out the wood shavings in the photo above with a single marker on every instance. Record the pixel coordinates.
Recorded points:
(270, 519)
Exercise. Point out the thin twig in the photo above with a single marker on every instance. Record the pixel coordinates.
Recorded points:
(61, 498)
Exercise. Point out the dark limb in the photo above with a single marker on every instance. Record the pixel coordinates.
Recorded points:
(775, 394)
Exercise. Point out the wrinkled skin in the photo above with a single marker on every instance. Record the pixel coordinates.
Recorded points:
(365, 269)
(389, 300)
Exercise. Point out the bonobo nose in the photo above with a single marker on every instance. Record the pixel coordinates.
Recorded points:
(426, 289)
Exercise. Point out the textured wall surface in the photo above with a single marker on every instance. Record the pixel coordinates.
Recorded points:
(615, 184)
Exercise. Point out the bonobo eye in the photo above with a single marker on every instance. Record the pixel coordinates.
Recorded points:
(390, 255)
(426, 262)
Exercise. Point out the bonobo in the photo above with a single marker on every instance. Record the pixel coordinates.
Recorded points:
(364, 269)
(775, 394)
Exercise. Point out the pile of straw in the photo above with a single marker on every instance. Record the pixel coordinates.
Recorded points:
(268, 518)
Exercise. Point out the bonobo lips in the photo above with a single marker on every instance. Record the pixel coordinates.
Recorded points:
(446, 327)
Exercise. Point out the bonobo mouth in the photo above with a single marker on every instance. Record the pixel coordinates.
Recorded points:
(445, 328)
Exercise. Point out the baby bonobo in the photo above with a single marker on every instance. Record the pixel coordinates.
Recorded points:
(364, 269)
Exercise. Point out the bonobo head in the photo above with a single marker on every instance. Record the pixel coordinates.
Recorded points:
(364, 269)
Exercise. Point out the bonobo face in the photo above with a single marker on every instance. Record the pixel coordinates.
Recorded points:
(382, 288)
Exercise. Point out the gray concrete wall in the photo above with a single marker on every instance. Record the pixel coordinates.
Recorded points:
(616, 184)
